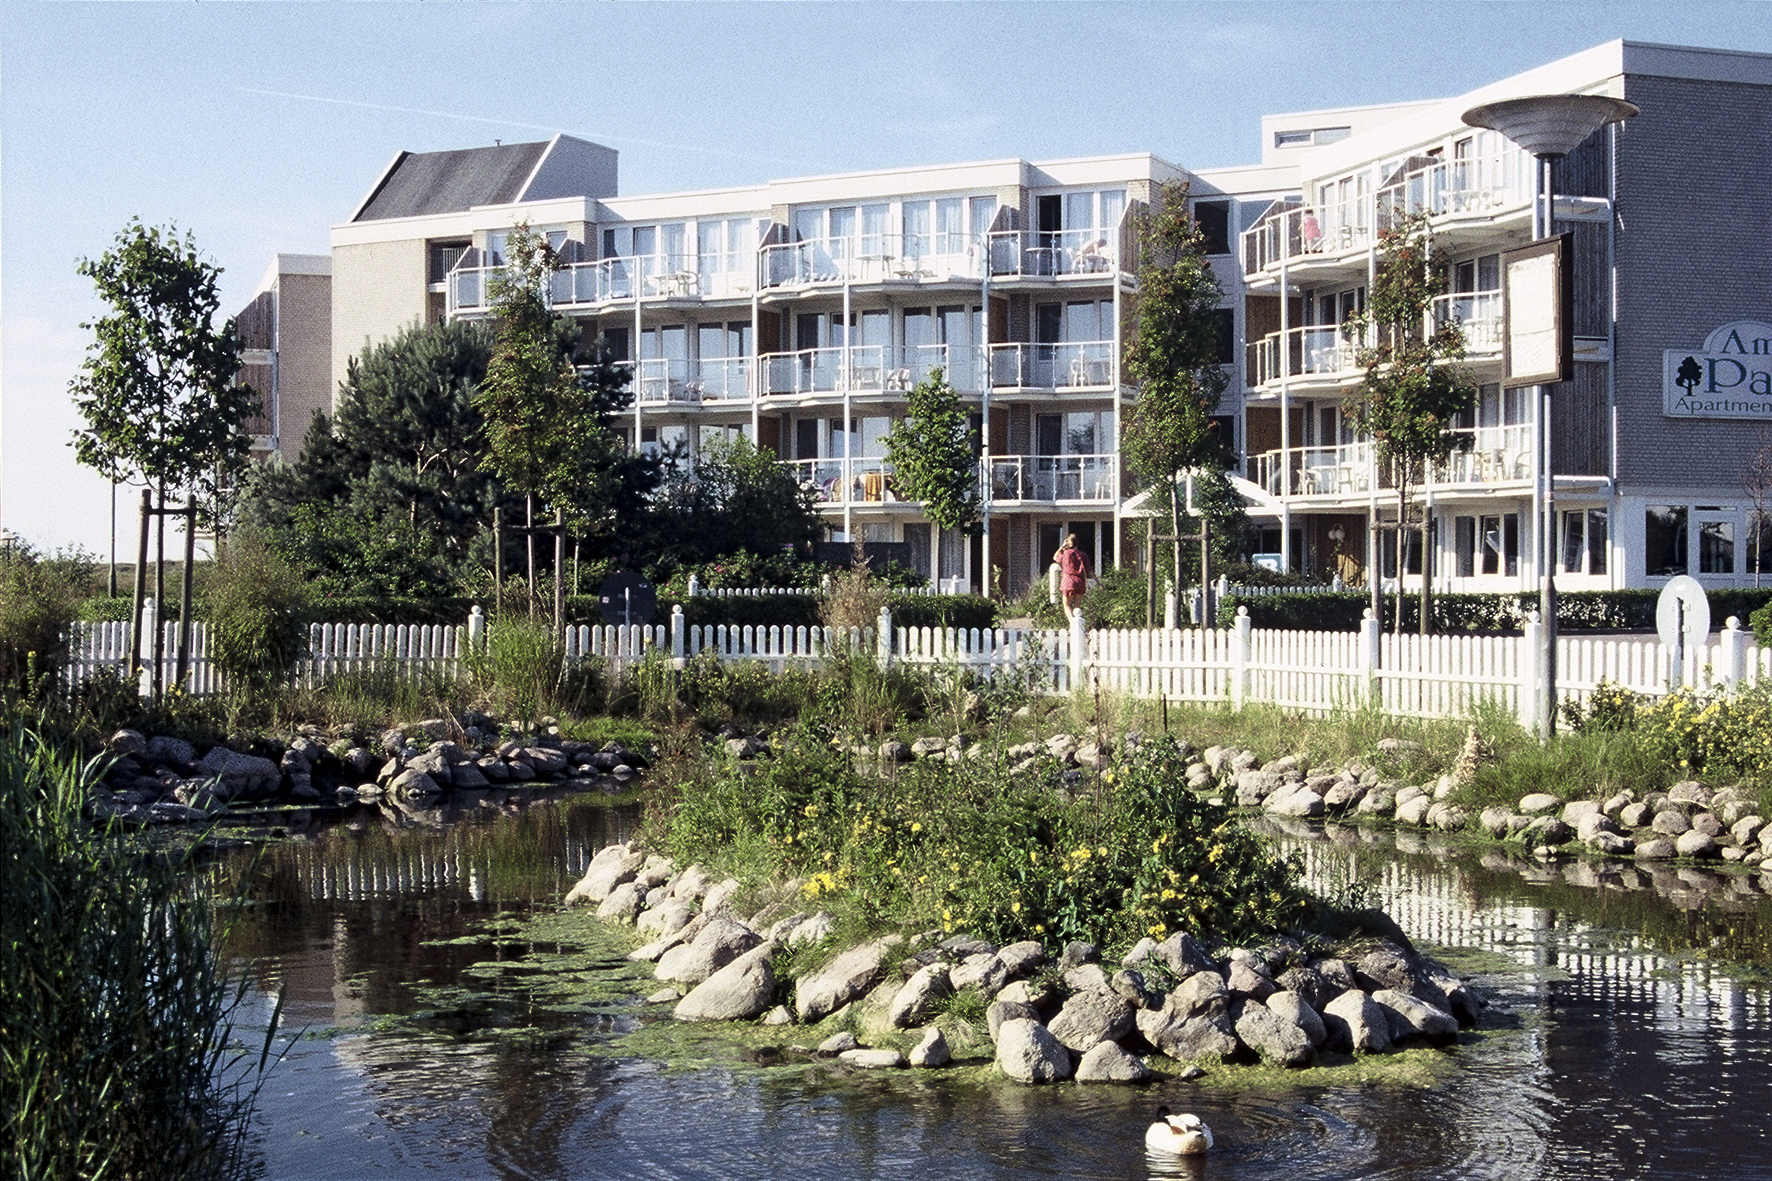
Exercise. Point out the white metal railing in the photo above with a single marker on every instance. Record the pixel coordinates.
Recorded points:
(725, 379)
(662, 381)
(729, 275)
(1477, 313)
(869, 258)
(856, 480)
(1340, 470)
(1493, 454)
(1052, 478)
(864, 369)
(1086, 364)
(1045, 254)
(1322, 351)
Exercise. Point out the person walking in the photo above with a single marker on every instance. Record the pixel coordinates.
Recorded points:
(1073, 573)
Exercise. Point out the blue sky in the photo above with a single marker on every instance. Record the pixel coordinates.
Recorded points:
(257, 126)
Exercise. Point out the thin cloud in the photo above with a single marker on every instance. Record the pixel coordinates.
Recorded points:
(547, 127)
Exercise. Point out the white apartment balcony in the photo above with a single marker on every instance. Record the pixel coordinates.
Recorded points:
(869, 259)
(1053, 368)
(853, 481)
(1478, 313)
(1053, 479)
(864, 369)
(669, 381)
(1312, 358)
(1479, 186)
(1057, 254)
(610, 280)
(1493, 455)
(1338, 471)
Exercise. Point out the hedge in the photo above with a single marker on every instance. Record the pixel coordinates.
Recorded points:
(1617, 610)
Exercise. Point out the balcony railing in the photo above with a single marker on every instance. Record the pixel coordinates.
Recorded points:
(1020, 253)
(1341, 470)
(1494, 454)
(859, 480)
(727, 379)
(1053, 478)
(468, 289)
(1086, 364)
(1478, 314)
(671, 381)
(866, 369)
(1327, 351)
(869, 258)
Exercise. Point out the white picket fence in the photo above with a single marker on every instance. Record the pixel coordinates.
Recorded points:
(1311, 671)
(951, 586)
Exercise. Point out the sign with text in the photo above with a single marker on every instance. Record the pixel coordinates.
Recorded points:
(1731, 377)
(1537, 339)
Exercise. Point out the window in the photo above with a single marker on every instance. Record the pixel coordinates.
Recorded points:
(442, 259)
(1664, 540)
(1501, 544)
(1716, 547)
(1464, 546)
(1583, 549)
(1214, 220)
(1759, 532)
(1224, 327)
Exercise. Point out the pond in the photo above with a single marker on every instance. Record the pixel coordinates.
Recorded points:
(1617, 1043)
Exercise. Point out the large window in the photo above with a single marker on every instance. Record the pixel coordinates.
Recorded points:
(1583, 548)
(1664, 540)
(1501, 544)
(1716, 546)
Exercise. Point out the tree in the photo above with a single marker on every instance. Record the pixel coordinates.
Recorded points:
(1412, 389)
(546, 419)
(1174, 359)
(934, 459)
(735, 498)
(1758, 484)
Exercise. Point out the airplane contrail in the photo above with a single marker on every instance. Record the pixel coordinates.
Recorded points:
(547, 127)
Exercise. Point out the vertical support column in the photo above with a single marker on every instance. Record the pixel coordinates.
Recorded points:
(1240, 659)
(1371, 655)
(476, 628)
(184, 597)
(150, 625)
(141, 586)
(883, 638)
(694, 585)
(1079, 649)
(677, 638)
(1531, 682)
(1731, 654)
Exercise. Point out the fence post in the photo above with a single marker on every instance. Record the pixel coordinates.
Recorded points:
(1079, 649)
(476, 628)
(1531, 680)
(150, 621)
(1241, 654)
(1732, 653)
(1371, 652)
(1052, 584)
(883, 638)
(694, 585)
(677, 635)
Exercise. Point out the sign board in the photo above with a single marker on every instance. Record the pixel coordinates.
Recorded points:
(1683, 601)
(1538, 324)
(627, 598)
(1730, 377)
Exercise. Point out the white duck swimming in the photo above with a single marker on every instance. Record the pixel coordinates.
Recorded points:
(1182, 1135)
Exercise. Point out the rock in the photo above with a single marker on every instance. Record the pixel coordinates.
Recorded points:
(1671, 822)
(986, 973)
(1612, 845)
(1385, 967)
(1077, 953)
(1355, 1024)
(1708, 824)
(1635, 815)
(1495, 821)
(665, 996)
(1107, 1062)
(163, 748)
(1547, 830)
(839, 1043)
(1338, 975)
(780, 1015)
(691, 885)
(1196, 1038)
(737, 992)
(1273, 1037)
(717, 944)
(1537, 802)
(916, 1002)
(1591, 824)
(623, 903)
(1690, 791)
(999, 1011)
(896, 752)
(127, 742)
(1309, 985)
(1142, 952)
(607, 870)
(1292, 1007)
(872, 1059)
(1747, 829)
(1131, 985)
(468, 776)
(1028, 1053)
(1574, 810)
(847, 977)
(719, 897)
(240, 776)
(808, 929)
(1019, 959)
(1182, 954)
(1696, 844)
(1300, 802)
(1246, 979)
(664, 918)
(932, 1051)
(1094, 1016)
(1202, 994)
(1660, 849)
(1447, 817)
(413, 783)
(1461, 1000)
(1084, 978)
(1414, 812)
(1376, 802)
(1412, 1017)
(544, 760)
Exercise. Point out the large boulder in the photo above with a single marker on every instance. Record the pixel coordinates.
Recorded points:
(999, 1012)
(986, 973)
(1028, 1053)
(1107, 1062)
(1201, 995)
(718, 943)
(607, 870)
(847, 977)
(1412, 1017)
(1294, 1008)
(1191, 1039)
(737, 992)
(933, 1050)
(916, 1002)
(1090, 1017)
(1019, 959)
(623, 904)
(239, 776)
(671, 915)
(1355, 1023)
(1272, 1036)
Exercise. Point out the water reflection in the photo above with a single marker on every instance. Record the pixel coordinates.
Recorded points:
(1610, 1050)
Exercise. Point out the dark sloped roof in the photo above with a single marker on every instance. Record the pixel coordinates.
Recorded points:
(449, 182)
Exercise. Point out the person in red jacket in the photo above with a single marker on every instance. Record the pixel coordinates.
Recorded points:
(1073, 572)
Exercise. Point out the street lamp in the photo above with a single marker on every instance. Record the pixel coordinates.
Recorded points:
(1549, 126)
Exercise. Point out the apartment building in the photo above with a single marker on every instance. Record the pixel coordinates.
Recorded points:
(800, 312)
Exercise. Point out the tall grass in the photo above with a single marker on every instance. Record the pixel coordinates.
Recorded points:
(117, 1048)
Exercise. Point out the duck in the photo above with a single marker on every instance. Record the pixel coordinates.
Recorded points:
(1182, 1135)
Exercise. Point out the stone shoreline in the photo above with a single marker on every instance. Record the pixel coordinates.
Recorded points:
(1048, 1018)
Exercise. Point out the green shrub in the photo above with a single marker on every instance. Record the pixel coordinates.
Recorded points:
(521, 665)
(255, 607)
(38, 601)
(118, 1048)
(1711, 731)
(1761, 622)
(1118, 599)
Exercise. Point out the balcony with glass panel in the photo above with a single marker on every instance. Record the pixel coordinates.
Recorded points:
(1052, 479)
(1489, 455)
(1313, 359)
(1053, 368)
(847, 481)
(864, 259)
(866, 369)
(1478, 314)
(1055, 254)
(1343, 470)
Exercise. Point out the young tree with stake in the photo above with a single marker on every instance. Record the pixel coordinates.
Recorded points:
(934, 458)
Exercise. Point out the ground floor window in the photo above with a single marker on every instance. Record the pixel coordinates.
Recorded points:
(1664, 540)
(1716, 544)
(1501, 544)
(1759, 532)
(1583, 549)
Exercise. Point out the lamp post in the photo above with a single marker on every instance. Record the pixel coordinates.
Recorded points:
(1549, 126)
